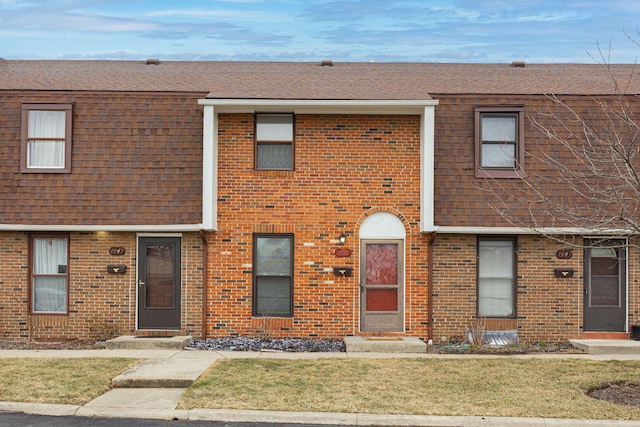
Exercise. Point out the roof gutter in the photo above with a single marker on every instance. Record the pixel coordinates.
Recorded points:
(525, 230)
(319, 106)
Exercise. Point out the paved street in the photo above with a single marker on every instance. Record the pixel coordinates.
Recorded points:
(30, 420)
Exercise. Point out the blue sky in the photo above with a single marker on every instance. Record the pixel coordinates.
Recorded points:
(535, 31)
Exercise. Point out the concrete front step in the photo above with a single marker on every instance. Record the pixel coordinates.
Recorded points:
(177, 371)
(385, 345)
(602, 346)
(130, 342)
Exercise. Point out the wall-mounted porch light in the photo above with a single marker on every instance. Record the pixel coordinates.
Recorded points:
(342, 238)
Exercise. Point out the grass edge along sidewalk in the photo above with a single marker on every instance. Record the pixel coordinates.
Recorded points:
(545, 388)
(502, 387)
(59, 380)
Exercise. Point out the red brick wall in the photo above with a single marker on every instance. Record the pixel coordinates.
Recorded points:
(347, 166)
(454, 285)
(548, 308)
(14, 307)
(99, 303)
(138, 160)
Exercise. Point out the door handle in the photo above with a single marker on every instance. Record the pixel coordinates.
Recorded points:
(141, 283)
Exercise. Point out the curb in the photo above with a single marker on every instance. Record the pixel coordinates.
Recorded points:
(39, 408)
(320, 418)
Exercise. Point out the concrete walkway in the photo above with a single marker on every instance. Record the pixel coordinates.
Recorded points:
(592, 346)
(152, 390)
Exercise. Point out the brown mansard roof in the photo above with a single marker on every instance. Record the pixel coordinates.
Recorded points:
(304, 80)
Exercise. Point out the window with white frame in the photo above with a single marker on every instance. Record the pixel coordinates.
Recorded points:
(499, 142)
(49, 274)
(46, 138)
(274, 142)
(496, 269)
(273, 275)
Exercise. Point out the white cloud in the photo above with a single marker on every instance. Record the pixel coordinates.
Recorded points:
(380, 30)
(216, 14)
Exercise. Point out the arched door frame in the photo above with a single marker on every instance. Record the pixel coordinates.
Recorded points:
(382, 237)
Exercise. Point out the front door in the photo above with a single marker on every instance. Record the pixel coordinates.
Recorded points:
(382, 286)
(605, 285)
(159, 261)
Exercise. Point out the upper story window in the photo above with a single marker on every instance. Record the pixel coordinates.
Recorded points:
(46, 138)
(499, 142)
(274, 142)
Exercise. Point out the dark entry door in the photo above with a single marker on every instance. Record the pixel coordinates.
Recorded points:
(159, 261)
(382, 286)
(605, 285)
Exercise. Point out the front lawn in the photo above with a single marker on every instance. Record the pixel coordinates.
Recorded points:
(507, 387)
(62, 381)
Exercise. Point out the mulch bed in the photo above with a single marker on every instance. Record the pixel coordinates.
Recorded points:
(627, 394)
(296, 345)
(522, 348)
(259, 344)
(51, 345)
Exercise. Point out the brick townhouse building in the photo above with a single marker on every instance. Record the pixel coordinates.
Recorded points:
(314, 200)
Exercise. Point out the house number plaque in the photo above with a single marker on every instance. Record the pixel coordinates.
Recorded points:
(566, 253)
(342, 252)
(117, 251)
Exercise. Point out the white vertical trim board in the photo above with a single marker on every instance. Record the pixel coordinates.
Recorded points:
(427, 169)
(209, 168)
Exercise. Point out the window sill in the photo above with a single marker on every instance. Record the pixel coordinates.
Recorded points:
(280, 173)
(48, 313)
(496, 173)
(44, 170)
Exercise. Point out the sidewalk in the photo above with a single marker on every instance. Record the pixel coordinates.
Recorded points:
(152, 390)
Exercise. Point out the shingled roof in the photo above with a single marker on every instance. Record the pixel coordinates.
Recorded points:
(314, 81)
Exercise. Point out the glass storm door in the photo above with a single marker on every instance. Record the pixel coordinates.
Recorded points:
(159, 261)
(382, 286)
(605, 286)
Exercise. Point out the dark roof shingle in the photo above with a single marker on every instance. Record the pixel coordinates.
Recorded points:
(311, 81)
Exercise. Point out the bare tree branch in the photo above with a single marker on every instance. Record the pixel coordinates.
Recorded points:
(583, 166)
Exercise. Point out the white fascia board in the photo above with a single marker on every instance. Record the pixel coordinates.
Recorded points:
(209, 168)
(525, 230)
(320, 106)
(164, 228)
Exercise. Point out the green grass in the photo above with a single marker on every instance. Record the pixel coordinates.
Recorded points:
(62, 381)
(490, 387)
